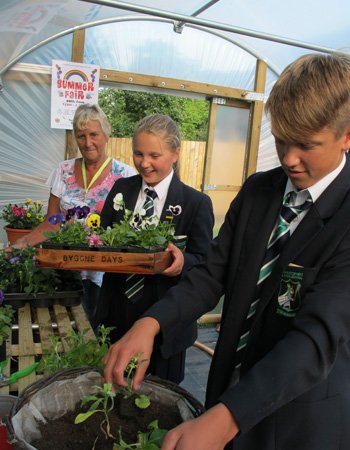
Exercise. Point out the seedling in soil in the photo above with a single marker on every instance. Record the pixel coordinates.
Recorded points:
(147, 440)
(103, 401)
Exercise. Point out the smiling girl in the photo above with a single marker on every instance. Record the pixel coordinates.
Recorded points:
(156, 150)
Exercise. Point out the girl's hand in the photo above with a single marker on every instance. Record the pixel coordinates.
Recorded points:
(178, 261)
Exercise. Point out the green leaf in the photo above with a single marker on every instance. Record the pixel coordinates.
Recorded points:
(142, 401)
(83, 416)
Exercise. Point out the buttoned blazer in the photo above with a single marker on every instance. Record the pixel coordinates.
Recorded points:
(294, 392)
(196, 221)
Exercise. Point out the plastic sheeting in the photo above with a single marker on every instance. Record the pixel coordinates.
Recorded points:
(147, 44)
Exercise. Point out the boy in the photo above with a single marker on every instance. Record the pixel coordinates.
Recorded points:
(279, 378)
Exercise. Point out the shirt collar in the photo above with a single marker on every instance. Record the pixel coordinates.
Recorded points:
(316, 189)
(161, 188)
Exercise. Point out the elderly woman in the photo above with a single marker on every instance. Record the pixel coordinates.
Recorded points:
(82, 181)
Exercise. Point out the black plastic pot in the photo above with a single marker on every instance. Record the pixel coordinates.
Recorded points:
(103, 248)
(43, 299)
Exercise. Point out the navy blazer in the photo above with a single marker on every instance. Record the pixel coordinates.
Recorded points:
(196, 221)
(294, 391)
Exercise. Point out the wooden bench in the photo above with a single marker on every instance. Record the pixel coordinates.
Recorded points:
(30, 337)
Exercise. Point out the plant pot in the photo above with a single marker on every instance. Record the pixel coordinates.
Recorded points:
(50, 396)
(15, 233)
(102, 248)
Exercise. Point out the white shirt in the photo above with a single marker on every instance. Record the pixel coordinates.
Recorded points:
(315, 191)
(162, 191)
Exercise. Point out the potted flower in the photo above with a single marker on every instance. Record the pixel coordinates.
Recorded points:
(95, 416)
(21, 280)
(136, 244)
(21, 218)
(135, 232)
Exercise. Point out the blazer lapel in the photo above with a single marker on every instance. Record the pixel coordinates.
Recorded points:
(265, 207)
(131, 192)
(173, 198)
(308, 231)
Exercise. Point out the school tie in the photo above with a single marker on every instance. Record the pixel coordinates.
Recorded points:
(135, 282)
(277, 239)
(148, 206)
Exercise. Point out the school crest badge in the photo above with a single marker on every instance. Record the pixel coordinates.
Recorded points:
(289, 299)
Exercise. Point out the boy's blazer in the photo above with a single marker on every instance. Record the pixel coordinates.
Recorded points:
(295, 382)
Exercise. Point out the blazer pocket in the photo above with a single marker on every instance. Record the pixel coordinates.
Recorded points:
(295, 280)
(309, 426)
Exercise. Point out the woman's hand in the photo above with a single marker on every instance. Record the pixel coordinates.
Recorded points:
(210, 431)
(20, 243)
(178, 261)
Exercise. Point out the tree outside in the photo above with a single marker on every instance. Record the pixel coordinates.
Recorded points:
(125, 108)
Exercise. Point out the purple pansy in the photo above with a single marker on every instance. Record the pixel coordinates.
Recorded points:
(14, 260)
(82, 212)
(56, 218)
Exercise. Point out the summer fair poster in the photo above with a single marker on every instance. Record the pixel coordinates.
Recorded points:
(72, 85)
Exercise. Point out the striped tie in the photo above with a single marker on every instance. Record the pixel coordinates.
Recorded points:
(148, 206)
(278, 238)
(135, 282)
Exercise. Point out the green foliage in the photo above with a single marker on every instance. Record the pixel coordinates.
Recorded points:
(71, 233)
(147, 234)
(18, 273)
(129, 374)
(142, 401)
(6, 317)
(125, 108)
(81, 352)
(146, 440)
(103, 401)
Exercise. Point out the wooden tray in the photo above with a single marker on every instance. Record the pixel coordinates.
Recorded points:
(122, 262)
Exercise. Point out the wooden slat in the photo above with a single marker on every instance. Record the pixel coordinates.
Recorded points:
(25, 344)
(82, 322)
(144, 263)
(45, 327)
(191, 158)
(25, 333)
(48, 321)
(63, 324)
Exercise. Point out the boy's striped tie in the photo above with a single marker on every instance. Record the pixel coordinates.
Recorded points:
(275, 244)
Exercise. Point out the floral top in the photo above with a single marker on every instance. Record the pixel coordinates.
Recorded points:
(64, 185)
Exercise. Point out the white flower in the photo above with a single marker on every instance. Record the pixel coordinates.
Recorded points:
(175, 210)
(118, 202)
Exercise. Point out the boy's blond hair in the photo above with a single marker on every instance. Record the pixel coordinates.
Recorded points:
(311, 94)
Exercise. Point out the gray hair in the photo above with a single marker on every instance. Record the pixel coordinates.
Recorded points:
(85, 113)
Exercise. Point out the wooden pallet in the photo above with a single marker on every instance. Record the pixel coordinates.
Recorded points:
(29, 339)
